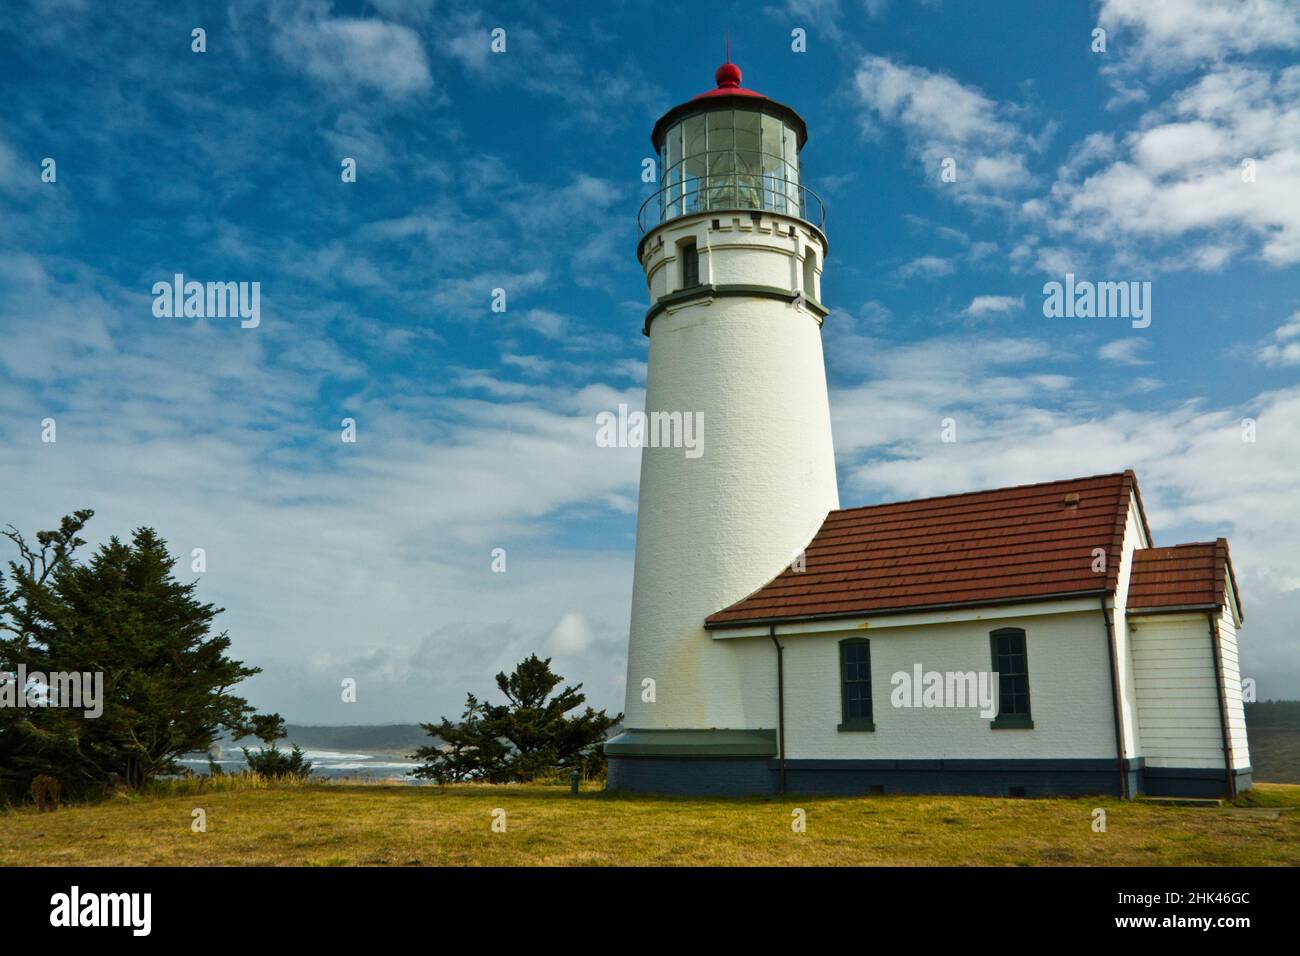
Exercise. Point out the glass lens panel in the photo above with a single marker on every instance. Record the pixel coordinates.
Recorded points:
(773, 135)
(664, 198)
(790, 141)
(722, 180)
(748, 126)
(672, 171)
(721, 130)
(694, 127)
(674, 144)
(748, 161)
(773, 186)
(695, 165)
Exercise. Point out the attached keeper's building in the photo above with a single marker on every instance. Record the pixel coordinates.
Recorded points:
(781, 643)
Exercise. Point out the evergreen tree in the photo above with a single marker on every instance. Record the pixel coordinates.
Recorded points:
(270, 761)
(528, 736)
(166, 678)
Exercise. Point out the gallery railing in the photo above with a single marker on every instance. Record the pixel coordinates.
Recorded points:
(731, 191)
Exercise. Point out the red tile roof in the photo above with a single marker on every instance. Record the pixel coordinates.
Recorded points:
(1186, 575)
(986, 547)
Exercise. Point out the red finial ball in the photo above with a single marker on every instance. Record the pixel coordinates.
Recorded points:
(728, 75)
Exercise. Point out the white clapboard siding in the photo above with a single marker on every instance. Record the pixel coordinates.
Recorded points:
(1232, 687)
(1177, 693)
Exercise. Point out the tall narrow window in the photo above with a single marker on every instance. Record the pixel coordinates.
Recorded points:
(855, 684)
(690, 257)
(1012, 666)
(810, 275)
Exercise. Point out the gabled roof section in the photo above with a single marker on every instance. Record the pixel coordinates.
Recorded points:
(1025, 543)
(1196, 575)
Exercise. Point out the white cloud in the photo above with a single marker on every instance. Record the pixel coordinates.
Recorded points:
(819, 16)
(1092, 150)
(51, 319)
(572, 635)
(546, 322)
(1143, 384)
(927, 266)
(344, 54)
(634, 369)
(472, 296)
(530, 364)
(983, 305)
(1285, 347)
(1213, 256)
(1126, 351)
(1181, 176)
(943, 119)
(1173, 147)
(306, 535)
(1174, 34)
(540, 60)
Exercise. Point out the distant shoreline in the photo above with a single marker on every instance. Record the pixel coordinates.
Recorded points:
(378, 739)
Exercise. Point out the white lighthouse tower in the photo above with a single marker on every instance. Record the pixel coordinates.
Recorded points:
(733, 249)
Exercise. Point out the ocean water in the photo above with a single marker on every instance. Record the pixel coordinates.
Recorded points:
(325, 763)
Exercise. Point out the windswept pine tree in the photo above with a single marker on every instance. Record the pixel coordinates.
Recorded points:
(527, 737)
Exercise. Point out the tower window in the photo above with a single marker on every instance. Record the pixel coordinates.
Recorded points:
(690, 257)
(855, 684)
(1011, 664)
(810, 275)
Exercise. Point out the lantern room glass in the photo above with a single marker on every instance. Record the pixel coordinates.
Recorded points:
(729, 159)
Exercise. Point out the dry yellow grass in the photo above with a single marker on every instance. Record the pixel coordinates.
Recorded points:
(382, 825)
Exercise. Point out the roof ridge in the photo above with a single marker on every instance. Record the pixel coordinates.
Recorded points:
(1016, 543)
(1184, 544)
(983, 491)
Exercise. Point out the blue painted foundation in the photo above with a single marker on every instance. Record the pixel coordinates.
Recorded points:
(1192, 782)
(759, 776)
(988, 777)
(692, 776)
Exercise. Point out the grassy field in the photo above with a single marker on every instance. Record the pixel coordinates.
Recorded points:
(344, 824)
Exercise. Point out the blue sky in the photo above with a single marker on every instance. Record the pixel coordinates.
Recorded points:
(521, 171)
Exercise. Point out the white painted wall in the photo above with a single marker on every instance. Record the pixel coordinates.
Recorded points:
(1178, 704)
(1069, 681)
(740, 252)
(711, 530)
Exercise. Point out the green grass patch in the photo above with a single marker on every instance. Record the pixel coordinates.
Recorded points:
(289, 823)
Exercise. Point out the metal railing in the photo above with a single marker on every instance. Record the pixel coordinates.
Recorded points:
(731, 191)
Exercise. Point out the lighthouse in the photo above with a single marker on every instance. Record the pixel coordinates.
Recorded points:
(770, 628)
(733, 247)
